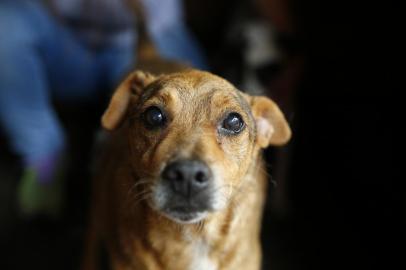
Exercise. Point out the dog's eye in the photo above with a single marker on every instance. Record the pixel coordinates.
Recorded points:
(233, 123)
(153, 117)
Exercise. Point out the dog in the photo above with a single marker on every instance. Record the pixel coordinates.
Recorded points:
(181, 182)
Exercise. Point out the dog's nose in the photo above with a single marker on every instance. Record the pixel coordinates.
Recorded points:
(187, 177)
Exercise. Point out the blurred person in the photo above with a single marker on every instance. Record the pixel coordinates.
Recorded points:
(69, 50)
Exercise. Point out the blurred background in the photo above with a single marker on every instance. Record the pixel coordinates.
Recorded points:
(337, 199)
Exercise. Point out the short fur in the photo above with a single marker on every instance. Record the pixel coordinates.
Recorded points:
(124, 220)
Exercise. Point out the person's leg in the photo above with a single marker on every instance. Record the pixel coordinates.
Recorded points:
(37, 56)
(26, 115)
(118, 58)
(73, 70)
(39, 59)
(168, 31)
(177, 43)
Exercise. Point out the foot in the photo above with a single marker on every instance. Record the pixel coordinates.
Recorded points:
(40, 191)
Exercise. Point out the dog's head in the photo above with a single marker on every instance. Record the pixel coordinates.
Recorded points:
(193, 137)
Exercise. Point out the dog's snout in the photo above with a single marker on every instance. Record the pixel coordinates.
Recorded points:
(187, 177)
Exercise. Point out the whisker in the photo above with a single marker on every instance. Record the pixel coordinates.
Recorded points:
(143, 198)
(138, 183)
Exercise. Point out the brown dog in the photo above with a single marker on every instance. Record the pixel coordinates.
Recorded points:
(182, 184)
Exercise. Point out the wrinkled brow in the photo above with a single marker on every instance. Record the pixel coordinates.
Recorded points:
(151, 90)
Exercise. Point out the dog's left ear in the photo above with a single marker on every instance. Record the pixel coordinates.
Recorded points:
(132, 86)
(272, 127)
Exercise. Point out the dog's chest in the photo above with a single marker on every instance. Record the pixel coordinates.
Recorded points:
(200, 257)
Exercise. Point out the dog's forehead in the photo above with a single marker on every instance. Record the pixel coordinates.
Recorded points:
(195, 82)
(196, 85)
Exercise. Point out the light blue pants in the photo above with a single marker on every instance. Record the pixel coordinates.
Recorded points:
(40, 60)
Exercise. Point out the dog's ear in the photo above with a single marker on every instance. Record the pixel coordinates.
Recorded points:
(132, 86)
(272, 127)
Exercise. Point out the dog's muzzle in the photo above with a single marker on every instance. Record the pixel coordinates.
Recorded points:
(188, 185)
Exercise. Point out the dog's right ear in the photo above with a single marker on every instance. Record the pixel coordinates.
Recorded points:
(132, 86)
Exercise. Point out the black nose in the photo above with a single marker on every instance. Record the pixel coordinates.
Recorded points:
(187, 177)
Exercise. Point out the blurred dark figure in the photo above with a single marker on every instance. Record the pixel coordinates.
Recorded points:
(71, 51)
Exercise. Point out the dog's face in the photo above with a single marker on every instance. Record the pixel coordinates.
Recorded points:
(193, 137)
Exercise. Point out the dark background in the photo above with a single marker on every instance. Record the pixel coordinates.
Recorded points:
(339, 200)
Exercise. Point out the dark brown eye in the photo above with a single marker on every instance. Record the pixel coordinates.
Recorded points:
(153, 117)
(233, 123)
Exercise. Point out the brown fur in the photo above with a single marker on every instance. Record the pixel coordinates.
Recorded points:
(139, 237)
